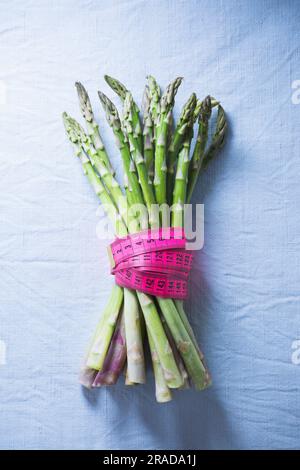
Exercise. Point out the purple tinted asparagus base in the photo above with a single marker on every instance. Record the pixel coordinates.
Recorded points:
(115, 358)
(87, 377)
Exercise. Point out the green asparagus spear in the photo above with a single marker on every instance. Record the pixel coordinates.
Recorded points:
(196, 160)
(162, 126)
(185, 121)
(202, 157)
(92, 126)
(154, 96)
(113, 120)
(121, 90)
(148, 135)
(218, 138)
(138, 158)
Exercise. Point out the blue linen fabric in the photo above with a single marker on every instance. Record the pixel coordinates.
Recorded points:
(54, 281)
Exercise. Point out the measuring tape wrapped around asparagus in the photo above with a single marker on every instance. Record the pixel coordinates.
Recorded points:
(153, 261)
(159, 168)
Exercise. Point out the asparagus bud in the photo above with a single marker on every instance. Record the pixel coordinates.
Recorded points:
(218, 138)
(84, 101)
(111, 112)
(92, 126)
(187, 112)
(117, 86)
(162, 127)
(114, 121)
(138, 158)
(197, 157)
(122, 91)
(167, 99)
(148, 134)
(154, 96)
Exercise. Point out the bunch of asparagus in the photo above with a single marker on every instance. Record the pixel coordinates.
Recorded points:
(159, 167)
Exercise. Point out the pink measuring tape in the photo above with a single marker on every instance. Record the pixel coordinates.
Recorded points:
(153, 261)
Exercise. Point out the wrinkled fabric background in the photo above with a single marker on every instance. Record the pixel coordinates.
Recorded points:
(54, 278)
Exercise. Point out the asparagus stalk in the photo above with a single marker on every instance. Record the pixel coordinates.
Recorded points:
(218, 138)
(154, 96)
(116, 356)
(178, 359)
(162, 391)
(162, 126)
(88, 375)
(113, 120)
(135, 350)
(179, 193)
(201, 158)
(102, 340)
(127, 380)
(203, 119)
(138, 158)
(92, 126)
(187, 350)
(162, 346)
(185, 321)
(177, 142)
(148, 135)
(122, 91)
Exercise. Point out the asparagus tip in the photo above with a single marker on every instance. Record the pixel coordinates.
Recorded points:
(218, 137)
(111, 111)
(105, 101)
(65, 118)
(116, 85)
(214, 102)
(82, 93)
